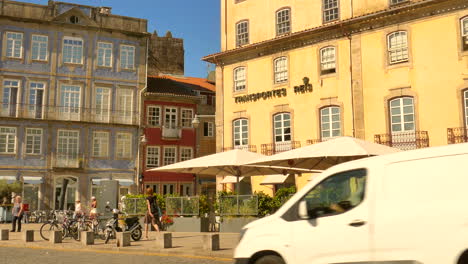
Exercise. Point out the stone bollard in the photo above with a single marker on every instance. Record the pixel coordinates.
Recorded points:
(28, 236)
(55, 237)
(123, 239)
(211, 242)
(164, 240)
(4, 234)
(87, 238)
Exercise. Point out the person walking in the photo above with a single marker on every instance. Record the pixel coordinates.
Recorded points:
(93, 211)
(78, 210)
(17, 212)
(152, 215)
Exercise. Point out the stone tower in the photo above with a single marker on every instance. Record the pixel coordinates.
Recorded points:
(166, 55)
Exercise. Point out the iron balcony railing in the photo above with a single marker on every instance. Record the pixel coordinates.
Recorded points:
(457, 135)
(404, 140)
(277, 147)
(69, 113)
(68, 160)
(313, 141)
(172, 132)
(251, 148)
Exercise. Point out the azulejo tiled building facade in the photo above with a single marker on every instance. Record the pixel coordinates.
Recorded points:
(293, 73)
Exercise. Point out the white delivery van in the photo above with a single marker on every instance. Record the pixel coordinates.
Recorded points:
(404, 208)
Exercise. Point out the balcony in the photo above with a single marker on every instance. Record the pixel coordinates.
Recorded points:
(171, 132)
(457, 135)
(68, 160)
(251, 148)
(404, 140)
(313, 141)
(278, 147)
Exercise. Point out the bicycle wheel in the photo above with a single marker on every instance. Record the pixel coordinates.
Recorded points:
(47, 229)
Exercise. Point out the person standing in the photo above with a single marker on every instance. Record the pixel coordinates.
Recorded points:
(93, 212)
(17, 212)
(78, 210)
(152, 215)
(3, 210)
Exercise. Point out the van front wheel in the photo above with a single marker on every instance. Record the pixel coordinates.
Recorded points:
(270, 259)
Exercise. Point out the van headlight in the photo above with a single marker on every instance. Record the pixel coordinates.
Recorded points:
(242, 233)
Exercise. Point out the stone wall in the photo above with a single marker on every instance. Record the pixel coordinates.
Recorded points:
(165, 55)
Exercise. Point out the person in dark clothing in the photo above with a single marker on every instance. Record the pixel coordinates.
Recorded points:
(17, 212)
(152, 215)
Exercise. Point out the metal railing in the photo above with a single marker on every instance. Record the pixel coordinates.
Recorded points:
(313, 141)
(277, 147)
(457, 135)
(251, 148)
(404, 140)
(135, 206)
(171, 132)
(188, 206)
(68, 160)
(238, 205)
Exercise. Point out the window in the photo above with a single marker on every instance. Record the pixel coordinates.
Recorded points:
(39, 47)
(283, 21)
(186, 189)
(10, 97)
(395, 2)
(402, 114)
(125, 105)
(152, 156)
(153, 186)
(330, 10)
(464, 31)
(100, 144)
(397, 47)
(124, 145)
(330, 122)
(33, 141)
(67, 148)
(154, 116)
(127, 57)
(102, 104)
(14, 47)
(187, 116)
(186, 154)
(337, 194)
(169, 155)
(203, 99)
(36, 99)
(281, 70)
(74, 20)
(168, 188)
(242, 33)
(208, 129)
(73, 50)
(282, 127)
(241, 132)
(327, 60)
(170, 120)
(239, 79)
(104, 54)
(70, 102)
(7, 140)
(465, 97)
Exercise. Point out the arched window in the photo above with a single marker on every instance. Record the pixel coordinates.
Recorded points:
(327, 60)
(464, 32)
(65, 193)
(330, 10)
(240, 133)
(242, 33)
(282, 127)
(281, 69)
(330, 122)
(283, 21)
(402, 115)
(397, 44)
(239, 79)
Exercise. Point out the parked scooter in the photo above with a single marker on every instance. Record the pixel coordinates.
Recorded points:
(132, 225)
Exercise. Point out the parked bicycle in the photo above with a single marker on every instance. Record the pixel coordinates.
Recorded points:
(64, 222)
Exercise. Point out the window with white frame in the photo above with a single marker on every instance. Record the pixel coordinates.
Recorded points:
(186, 189)
(7, 140)
(100, 144)
(154, 115)
(187, 116)
(168, 188)
(170, 117)
(283, 21)
(72, 50)
(170, 155)
(328, 60)
(241, 132)
(282, 127)
(152, 156)
(127, 57)
(33, 141)
(36, 99)
(70, 98)
(39, 47)
(153, 186)
(330, 10)
(281, 69)
(125, 105)
(465, 101)
(203, 99)
(102, 104)
(239, 79)
(14, 45)
(330, 122)
(397, 47)
(104, 54)
(10, 97)
(124, 145)
(242, 33)
(395, 2)
(464, 31)
(208, 129)
(186, 153)
(402, 114)
(67, 147)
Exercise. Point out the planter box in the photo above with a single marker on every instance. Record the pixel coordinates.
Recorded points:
(234, 224)
(189, 224)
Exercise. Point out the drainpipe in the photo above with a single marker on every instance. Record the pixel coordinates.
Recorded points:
(351, 81)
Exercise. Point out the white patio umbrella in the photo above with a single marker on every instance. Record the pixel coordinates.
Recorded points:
(325, 154)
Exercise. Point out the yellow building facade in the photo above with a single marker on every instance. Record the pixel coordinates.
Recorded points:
(293, 73)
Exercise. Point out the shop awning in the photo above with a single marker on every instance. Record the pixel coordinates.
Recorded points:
(32, 180)
(231, 179)
(274, 179)
(8, 179)
(126, 182)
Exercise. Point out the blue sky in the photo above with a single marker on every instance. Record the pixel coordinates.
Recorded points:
(197, 22)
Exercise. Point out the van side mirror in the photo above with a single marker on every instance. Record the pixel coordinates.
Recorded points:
(303, 212)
